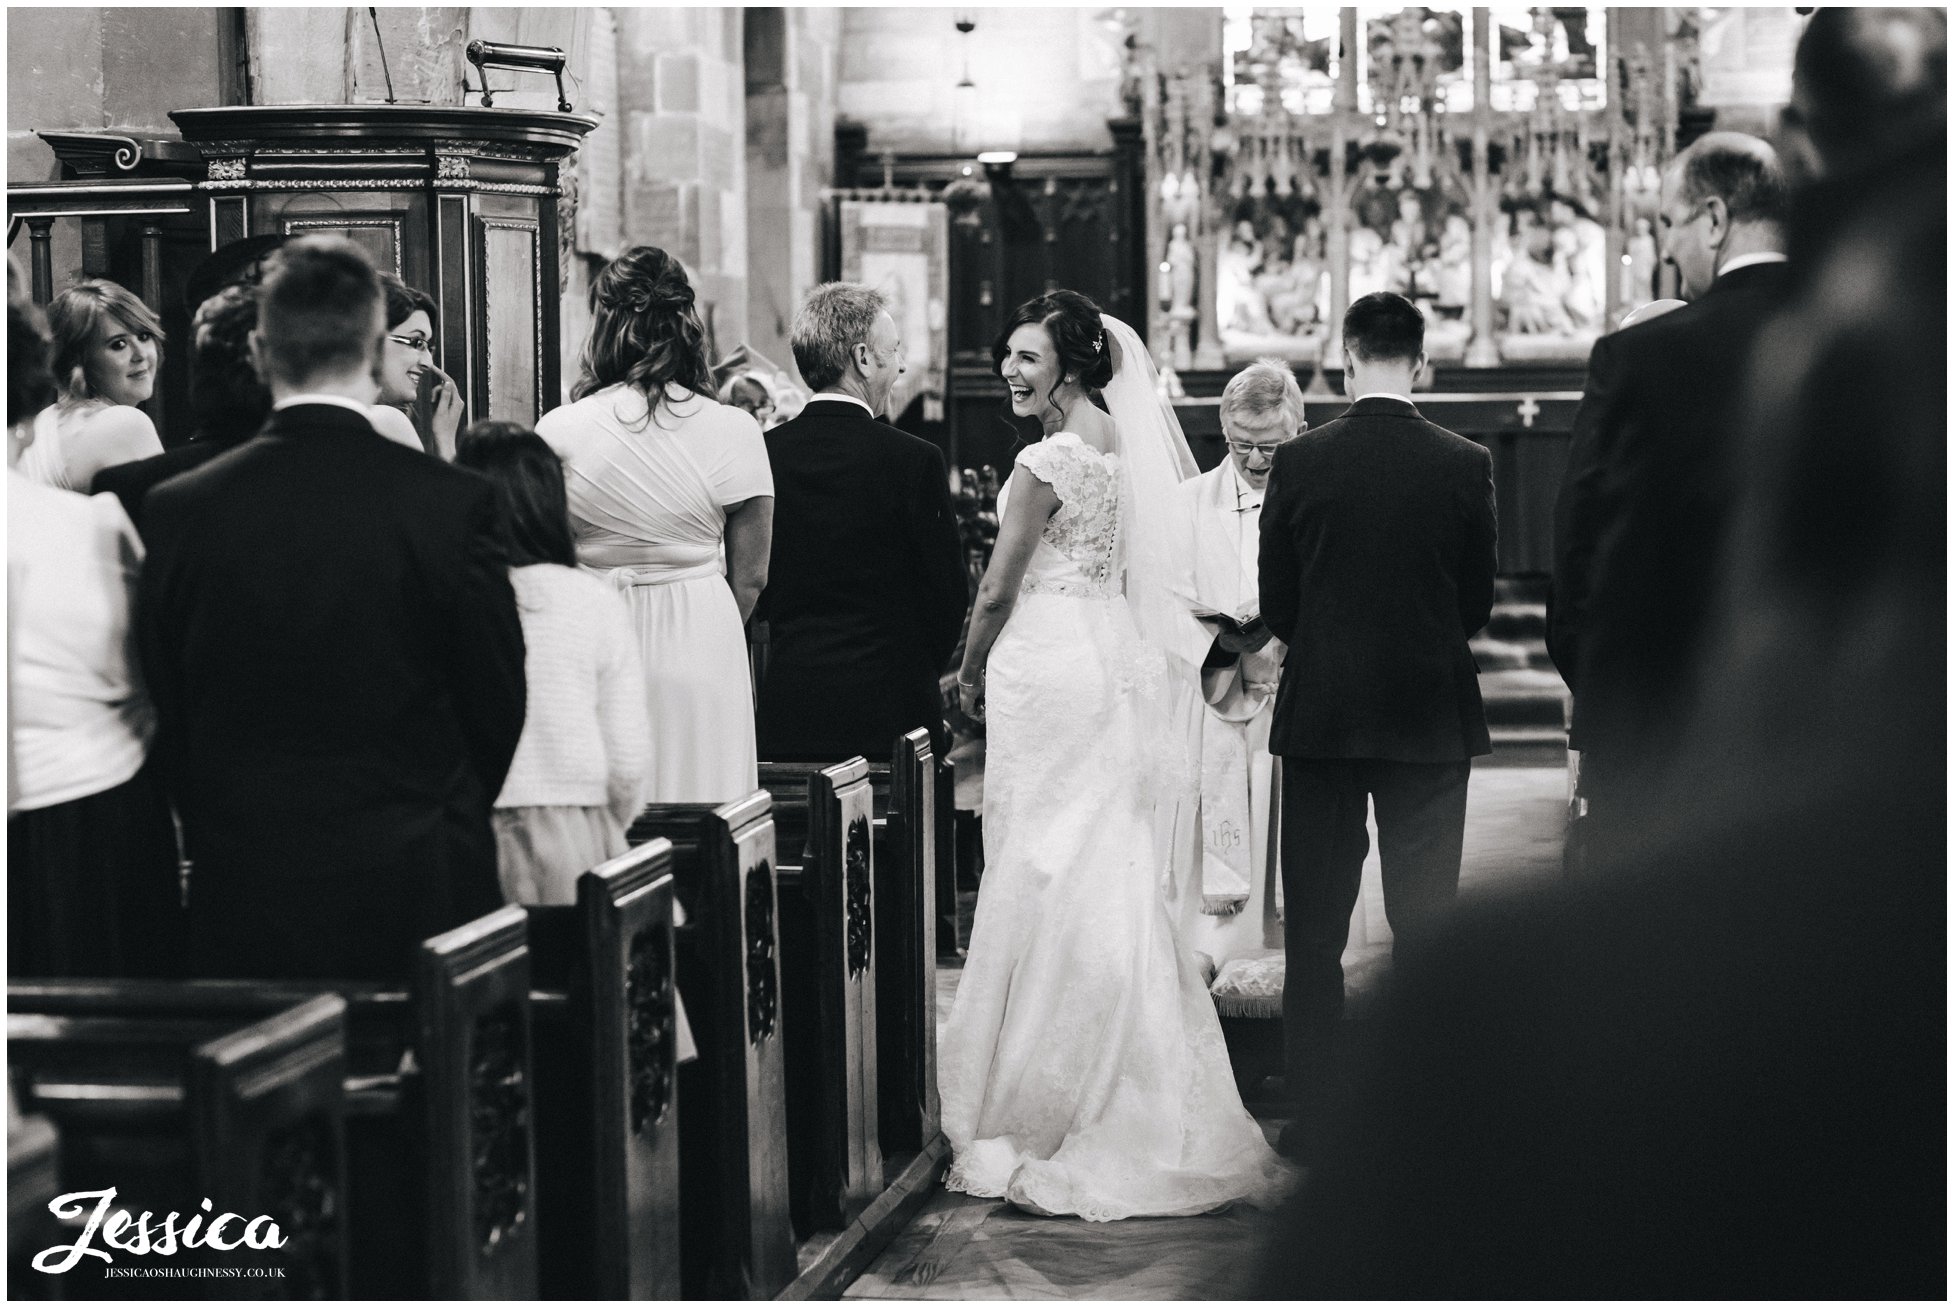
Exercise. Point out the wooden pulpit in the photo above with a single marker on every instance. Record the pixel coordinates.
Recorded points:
(462, 202)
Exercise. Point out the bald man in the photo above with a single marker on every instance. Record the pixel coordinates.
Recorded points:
(1648, 486)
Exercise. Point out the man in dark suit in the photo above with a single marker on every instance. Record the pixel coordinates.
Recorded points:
(1648, 487)
(1379, 550)
(866, 593)
(327, 628)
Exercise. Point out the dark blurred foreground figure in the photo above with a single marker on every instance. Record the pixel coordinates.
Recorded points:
(328, 631)
(1720, 1070)
(228, 400)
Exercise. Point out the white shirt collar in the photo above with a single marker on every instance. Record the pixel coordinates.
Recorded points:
(838, 395)
(1382, 395)
(1246, 496)
(1747, 260)
(314, 398)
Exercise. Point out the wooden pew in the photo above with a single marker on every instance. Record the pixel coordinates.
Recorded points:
(910, 830)
(908, 841)
(170, 1109)
(607, 1107)
(824, 818)
(439, 1099)
(739, 1239)
(33, 1182)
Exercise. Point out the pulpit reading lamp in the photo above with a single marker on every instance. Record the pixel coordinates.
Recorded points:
(526, 58)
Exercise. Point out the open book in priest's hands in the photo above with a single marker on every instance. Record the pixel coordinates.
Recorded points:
(1248, 622)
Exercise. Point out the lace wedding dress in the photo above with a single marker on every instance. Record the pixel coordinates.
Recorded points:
(1082, 1069)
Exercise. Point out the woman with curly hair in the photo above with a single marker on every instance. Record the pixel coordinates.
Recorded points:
(671, 499)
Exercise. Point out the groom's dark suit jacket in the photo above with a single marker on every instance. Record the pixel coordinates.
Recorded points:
(327, 628)
(866, 590)
(1379, 549)
(1642, 511)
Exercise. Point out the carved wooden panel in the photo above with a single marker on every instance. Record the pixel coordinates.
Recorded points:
(511, 289)
(649, 999)
(762, 969)
(499, 1109)
(861, 920)
(301, 1192)
(378, 235)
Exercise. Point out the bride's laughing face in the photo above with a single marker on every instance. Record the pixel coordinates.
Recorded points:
(1030, 369)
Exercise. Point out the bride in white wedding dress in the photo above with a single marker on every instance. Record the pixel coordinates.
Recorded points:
(1082, 1069)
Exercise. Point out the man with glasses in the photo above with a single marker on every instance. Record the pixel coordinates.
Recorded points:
(1648, 486)
(1231, 912)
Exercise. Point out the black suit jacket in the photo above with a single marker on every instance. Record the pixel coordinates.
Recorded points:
(132, 482)
(1379, 550)
(866, 590)
(1642, 511)
(327, 628)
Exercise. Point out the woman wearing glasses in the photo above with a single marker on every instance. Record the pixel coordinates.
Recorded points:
(406, 355)
(1231, 912)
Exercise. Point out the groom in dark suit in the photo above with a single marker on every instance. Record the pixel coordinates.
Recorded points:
(1379, 536)
(327, 628)
(866, 592)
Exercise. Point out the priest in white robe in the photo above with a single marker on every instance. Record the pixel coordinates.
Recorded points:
(1231, 906)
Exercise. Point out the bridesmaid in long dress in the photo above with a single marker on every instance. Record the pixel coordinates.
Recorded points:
(671, 497)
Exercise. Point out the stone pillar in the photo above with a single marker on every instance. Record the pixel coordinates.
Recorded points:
(1482, 351)
(1337, 210)
(682, 106)
(790, 59)
(1208, 230)
(1617, 160)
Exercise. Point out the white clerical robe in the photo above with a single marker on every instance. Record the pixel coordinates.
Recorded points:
(1237, 866)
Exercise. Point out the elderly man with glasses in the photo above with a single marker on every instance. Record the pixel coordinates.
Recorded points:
(1231, 913)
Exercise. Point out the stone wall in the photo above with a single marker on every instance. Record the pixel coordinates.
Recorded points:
(682, 133)
(120, 70)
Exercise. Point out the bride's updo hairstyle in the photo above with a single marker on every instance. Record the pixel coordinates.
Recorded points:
(645, 330)
(1085, 355)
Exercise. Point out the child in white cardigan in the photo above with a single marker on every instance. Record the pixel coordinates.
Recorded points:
(575, 783)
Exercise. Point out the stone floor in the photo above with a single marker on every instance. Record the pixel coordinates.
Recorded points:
(964, 1248)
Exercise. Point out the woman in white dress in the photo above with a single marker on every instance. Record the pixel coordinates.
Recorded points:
(108, 348)
(671, 497)
(1082, 1068)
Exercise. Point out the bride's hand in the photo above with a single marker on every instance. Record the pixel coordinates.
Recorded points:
(970, 697)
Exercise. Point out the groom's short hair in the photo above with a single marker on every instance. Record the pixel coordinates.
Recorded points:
(1384, 325)
(834, 318)
(319, 310)
(1261, 394)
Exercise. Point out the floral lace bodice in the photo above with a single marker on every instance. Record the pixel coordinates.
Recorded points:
(1076, 553)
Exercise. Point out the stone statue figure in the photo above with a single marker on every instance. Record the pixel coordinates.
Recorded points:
(1181, 311)
(1638, 271)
